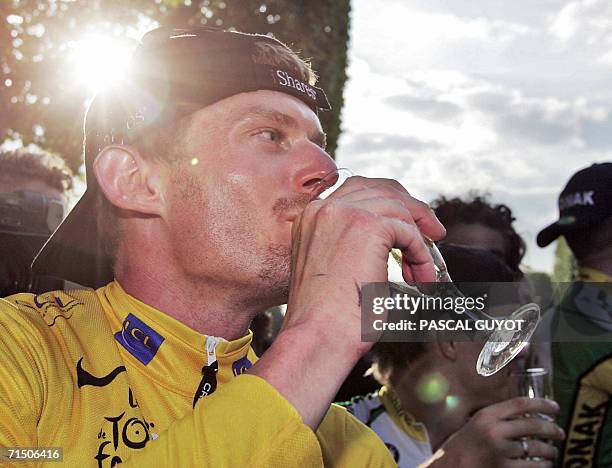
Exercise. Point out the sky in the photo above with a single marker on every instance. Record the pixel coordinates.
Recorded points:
(507, 97)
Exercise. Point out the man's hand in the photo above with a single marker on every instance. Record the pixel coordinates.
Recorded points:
(492, 437)
(344, 241)
(338, 244)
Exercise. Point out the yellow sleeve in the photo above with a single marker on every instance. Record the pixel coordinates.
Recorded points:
(244, 423)
(600, 377)
(347, 442)
(22, 375)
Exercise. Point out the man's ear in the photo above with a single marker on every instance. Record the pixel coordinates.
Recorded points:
(128, 180)
(447, 348)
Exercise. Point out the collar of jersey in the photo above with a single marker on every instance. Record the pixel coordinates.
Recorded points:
(402, 419)
(182, 354)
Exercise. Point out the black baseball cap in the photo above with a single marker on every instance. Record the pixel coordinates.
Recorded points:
(169, 68)
(585, 201)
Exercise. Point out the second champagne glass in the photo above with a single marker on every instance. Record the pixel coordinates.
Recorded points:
(532, 383)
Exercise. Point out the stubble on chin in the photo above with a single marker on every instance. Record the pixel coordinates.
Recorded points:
(275, 271)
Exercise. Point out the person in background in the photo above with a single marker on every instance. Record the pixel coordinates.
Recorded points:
(583, 370)
(475, 222)
(34, 190)
(434, 404)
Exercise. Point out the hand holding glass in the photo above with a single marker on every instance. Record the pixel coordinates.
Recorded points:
(502, 344)
(533, 383)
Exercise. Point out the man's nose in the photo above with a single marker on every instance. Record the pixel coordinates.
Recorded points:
(310, 175)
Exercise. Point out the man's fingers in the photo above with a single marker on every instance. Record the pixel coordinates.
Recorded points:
(359, 188)
(389, 207)
(418, 265)
(530, 448)
(426, 220)
(519, 406)
(357, 183)
(528, 464)
(417, 262)
(532, 427)
(541, 449)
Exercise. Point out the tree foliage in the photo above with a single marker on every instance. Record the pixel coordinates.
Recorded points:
(42, 102)
(564, 269)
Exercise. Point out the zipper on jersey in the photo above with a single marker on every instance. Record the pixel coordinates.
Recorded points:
(208, 384)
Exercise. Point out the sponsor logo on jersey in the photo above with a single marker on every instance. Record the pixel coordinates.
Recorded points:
(52, 307)
(85, 378)
(241, 365)
(140, 340)
(584, 435)
(586, 427)
(126, 430)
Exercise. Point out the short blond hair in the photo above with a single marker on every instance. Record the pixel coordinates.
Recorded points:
(279, 55)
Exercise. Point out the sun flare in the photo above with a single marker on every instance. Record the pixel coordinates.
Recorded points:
(100, 61)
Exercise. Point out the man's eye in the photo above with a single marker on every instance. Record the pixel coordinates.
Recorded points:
(270, 135)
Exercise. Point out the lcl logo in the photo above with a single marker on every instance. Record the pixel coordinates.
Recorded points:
(137, 333)
(140, 340)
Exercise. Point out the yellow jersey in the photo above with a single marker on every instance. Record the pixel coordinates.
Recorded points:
(582, 377)
(405, 437)
(109, 379)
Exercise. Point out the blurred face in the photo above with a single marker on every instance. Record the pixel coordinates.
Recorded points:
(14, 184)
(484, 391)
(21, 249)
(476, 235)
(250, 165)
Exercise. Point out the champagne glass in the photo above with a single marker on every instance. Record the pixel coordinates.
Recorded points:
(533, 383)
(503, 343)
